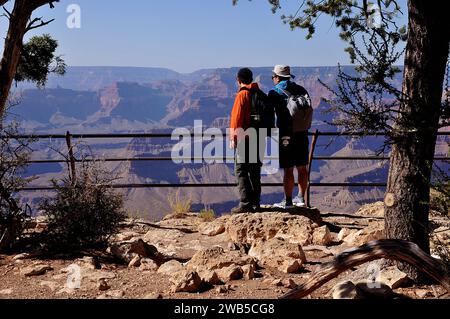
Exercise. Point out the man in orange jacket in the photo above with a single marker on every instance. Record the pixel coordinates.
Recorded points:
(247, 162)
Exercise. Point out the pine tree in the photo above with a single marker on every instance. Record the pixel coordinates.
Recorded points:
(20, 22)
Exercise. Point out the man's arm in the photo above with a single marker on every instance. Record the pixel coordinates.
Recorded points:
(237, 117)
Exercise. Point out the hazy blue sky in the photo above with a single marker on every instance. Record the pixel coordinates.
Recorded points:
(188, 35)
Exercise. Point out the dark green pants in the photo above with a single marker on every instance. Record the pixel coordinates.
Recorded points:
(249, 183)
(248, 175)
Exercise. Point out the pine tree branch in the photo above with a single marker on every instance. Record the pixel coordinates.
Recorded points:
(32, 24)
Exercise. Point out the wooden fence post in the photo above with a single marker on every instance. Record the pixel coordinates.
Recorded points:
(311, 157)
(72, 171)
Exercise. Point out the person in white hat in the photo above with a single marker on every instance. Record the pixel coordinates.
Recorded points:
(294, 141)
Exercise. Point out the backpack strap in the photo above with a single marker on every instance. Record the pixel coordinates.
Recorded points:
(287, 93)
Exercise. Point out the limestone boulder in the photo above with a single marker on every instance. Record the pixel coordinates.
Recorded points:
(217, 258)
(128, 251)
(374, 231)
(245, 229)
(278, 253)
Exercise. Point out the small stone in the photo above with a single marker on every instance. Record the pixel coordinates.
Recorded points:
(345, 290)
(170, 267)
(393, 277)
(66, 290)
(290, 266)
(212, 229)
(21, 256)
(322, 236)
(210, 277)
(135, 262)
(232, 246)
(103, 285)
(49, 284)
(421, 293)
(148, 264)
(229, 273)
(248, 272)
(36, 270)
(153, 296)
(343, 233)
(289, 283)
(88, 262)
(186, 281)
(115, 294)
(222, 289)
(8, 291)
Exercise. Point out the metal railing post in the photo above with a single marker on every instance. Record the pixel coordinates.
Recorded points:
(311, 158)
(72, 170)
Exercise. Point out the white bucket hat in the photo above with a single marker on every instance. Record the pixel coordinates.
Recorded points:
(283, 71)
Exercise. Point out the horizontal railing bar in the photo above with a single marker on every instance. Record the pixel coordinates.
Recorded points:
(132, 159)
(168, 135)
(212, 185)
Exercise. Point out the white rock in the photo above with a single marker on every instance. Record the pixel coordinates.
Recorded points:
(170, 267)
(322, 236)
(343, 234)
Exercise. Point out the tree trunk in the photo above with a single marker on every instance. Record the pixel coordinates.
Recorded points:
(12, 49)
(408, 193)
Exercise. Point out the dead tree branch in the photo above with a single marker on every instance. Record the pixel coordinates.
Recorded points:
(398, 250)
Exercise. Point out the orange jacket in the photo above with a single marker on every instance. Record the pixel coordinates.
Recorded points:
(240, 115)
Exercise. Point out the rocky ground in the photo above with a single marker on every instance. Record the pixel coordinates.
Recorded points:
(260, 255)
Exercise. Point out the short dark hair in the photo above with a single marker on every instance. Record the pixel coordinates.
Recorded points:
(245, 76)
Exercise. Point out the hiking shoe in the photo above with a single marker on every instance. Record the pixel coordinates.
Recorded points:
(284, 205)
(299, 201)
(257, 209)
(242, 210)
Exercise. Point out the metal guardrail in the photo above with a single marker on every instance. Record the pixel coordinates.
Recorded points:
(72, 160)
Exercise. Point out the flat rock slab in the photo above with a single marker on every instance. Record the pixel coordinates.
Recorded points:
(245, 229)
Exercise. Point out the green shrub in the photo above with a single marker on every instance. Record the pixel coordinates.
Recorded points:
(84, 213)
(207, 214)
